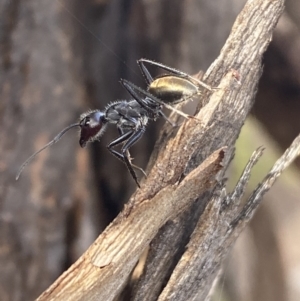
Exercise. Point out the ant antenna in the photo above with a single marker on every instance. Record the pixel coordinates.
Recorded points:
(53, 141)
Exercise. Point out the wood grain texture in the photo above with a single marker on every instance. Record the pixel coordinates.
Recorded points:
(103, 269)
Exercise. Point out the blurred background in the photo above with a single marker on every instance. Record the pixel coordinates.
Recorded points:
(60, 58)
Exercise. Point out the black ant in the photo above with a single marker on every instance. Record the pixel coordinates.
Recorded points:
(131, 117)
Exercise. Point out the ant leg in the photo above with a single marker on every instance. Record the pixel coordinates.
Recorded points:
(119, 156)
(132, 90)
(130, 142)
(167, 119)
(120, 139)
(174, 71)
(117, 141)
(148, 77)
(124, 157)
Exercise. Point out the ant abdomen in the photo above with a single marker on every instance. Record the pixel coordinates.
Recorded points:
(172, 89)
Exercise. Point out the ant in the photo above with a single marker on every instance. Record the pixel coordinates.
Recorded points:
(131, 117)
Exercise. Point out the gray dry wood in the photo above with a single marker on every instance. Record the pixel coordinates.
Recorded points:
(194, 154)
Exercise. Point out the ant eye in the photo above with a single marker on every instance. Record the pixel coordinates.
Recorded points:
(87, 120)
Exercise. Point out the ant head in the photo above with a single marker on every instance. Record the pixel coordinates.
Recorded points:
(92, 125)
